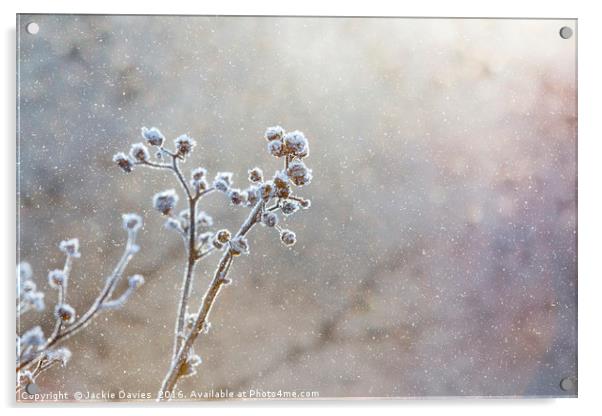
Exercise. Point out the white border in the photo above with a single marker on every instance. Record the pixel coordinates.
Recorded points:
(590, 186)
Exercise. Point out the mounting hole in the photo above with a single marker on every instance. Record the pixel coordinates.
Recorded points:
(566, 32)
(32, 28)
(569, 384)
(32, 389)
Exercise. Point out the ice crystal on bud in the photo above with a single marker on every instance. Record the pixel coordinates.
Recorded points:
(269, 219)
(274, 133)
(124, 162)
(295, 144)
(56, 278)
(184, 144)
(276, 148)
(289, 207)
(139, 152)
(239, 245)
(132, 222)
(288, 237)
(65, 313)
(165, 201)
(33, 337)
(135, 281)
(255, 175)
(153, 136)
(298, 173)
(70, 247)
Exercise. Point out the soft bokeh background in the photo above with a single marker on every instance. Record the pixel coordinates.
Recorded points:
(438, 258)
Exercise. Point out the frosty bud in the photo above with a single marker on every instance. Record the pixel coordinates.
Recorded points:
(62, 355)
(36, 300)
(305, 204)
(56, 278)
(239, 245)
(266, 190)
(200, 185)
(289, 207)
(203, 219)
(139, 153)
(269, 219)
(223, 181)
(136, 281)
(165, 201)
(34, 337)
(252, 196)
(153, 136)
(132, 222)
(24, 271)
(124, 162)
(184, 144)
(173, 224)
(281, 182)
(288, 237)
(205, 238)
(198, 174)
(295, 144)
(223, 236)
(70, 247)
(298, 173)
(235, 196)
(274, 133)
(65, 313)
(276, 148)
(28, 286)
(189, 366)
(255, 175)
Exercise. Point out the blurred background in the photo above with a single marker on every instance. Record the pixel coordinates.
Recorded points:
(438, 257)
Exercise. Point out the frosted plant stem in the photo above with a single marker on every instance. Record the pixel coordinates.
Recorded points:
(219, 279)
(86, 318)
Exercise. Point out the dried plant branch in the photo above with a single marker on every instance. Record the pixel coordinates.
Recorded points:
(37, 353)
(293, 147)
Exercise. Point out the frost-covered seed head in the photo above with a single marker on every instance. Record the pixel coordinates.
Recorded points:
(62, 355)
(124, 162)
(165, 201)
(36, 300)
(269, 219)
(198, 174)
(203, 219)
(276, 148)
(289, 207)
(252, 195)
(288, 237)
(136, 281)
(205, 238)
(295, 144)
(215, 242)
(184, 144)
(26, 377)
(70, 247)
(298, 173)
(223, 236)
(173, 224)
(226, 177)
(220, 185)
(200, 185)
(266, 190)
(24, 271)
(28, 286)
(153, 136)
(132, 222)
(274, 133)
(239, 245)
(65, 313)
(139, 152)
(56, 278)
(255, 175)
(34, 337)
(280, 179)
(235, 197)
(305, 204)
